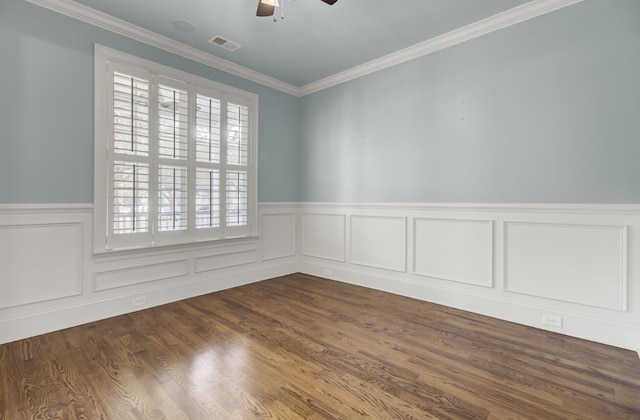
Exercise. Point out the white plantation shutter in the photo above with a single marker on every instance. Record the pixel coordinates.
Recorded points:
(237, 193)
(207, 198)
(208, 122)
(179, 152)
(130, 163)
(172, 123)
(130, 198)
(237, 176)
(208, 134)
(130, 115)
(237, 134)
(172, 198)
(172, 157)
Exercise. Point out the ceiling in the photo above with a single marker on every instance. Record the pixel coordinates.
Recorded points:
(314, 41)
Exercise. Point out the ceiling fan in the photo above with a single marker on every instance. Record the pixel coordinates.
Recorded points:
(268, 7)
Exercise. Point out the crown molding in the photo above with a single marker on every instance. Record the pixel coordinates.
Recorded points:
(121, 27)
(477, 29)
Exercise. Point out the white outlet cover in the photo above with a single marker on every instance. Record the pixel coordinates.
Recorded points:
(552, 320)
(138, 301)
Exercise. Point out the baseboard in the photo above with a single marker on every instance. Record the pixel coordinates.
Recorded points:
(87, 311)
(617, 334)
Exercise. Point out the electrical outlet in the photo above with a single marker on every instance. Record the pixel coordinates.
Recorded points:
(552, 320)
(139, 301)
(326, 271)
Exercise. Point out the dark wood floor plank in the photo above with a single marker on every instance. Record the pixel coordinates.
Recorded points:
(301, 347)
(350, 344)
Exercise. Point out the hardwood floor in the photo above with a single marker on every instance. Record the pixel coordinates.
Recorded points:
(302, 347)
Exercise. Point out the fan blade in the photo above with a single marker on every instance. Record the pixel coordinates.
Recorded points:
(265, 9)
(329, 2)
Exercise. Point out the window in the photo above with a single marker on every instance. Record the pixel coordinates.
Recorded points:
(174, 156)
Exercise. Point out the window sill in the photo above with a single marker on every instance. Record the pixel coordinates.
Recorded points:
(152, 250)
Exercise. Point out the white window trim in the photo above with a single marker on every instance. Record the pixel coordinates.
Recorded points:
(102, 137)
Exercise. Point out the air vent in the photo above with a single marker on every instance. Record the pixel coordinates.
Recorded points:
(224, 43)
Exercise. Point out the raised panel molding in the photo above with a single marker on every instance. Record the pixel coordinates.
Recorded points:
(145, 273)
(516, 262)
(226, 257)
(454, 249)
(584, 264)
(323, 236)
(40, 262)
(602, 305)
(379, 242)
(278, 235)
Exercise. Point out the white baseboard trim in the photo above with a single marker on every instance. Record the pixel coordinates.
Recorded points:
(87, 311)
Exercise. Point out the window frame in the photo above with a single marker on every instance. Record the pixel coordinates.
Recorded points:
(106, 61)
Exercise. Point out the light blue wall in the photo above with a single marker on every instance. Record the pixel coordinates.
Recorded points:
(544, 111)
(46, 109)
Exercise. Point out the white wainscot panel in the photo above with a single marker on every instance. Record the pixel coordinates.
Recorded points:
(226, 257)
(144, 273)
(379, 242)
(454, 250)
(585, 264)
(278, 235)
(40, 262)
(323, 236)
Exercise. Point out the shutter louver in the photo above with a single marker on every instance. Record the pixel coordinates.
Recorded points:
(130, 115)
(237, 134)
(237, 198)
(130, 198)
(172, 198)
(172, 123)
(207, 129)
(207, 198)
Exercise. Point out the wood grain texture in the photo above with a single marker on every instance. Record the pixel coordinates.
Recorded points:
(301, 347)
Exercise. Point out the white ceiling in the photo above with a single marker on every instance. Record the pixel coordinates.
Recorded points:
(316, 45)
(315, 41)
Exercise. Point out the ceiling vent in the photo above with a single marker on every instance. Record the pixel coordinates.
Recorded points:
(224, 43)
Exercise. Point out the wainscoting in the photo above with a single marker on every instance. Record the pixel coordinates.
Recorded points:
(50, 278)
(575, 265)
